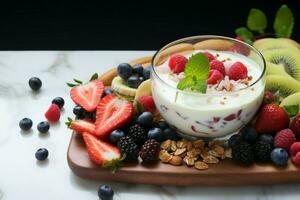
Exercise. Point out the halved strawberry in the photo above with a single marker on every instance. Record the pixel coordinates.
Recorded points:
(88, 95)
(111, 114)
(81, 126)
(102, 152)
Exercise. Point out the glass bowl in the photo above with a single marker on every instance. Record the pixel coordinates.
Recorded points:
(216, 113)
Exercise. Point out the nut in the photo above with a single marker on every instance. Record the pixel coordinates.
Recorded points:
(228, 153)
(164, 156)
(199, 144)
(173, 146)
(213, 153)
(210, 159)
(193, 153)
(176, 160)
(179, 151)
(182, 143)
(201, 165)
(166, 145)
(219, 149)
(189, 146)
(189, 161)
(213, 143)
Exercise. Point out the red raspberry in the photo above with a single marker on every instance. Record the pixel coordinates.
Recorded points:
(214, 77)
(53, 113)
(295, 152)
(177, 63)
(217, 65)
(268, 97)
(209, 56)
(284, 139)
(237, 71)
(148, 103)
(295, 126)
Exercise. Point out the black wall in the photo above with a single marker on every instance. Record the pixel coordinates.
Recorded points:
(123, 24)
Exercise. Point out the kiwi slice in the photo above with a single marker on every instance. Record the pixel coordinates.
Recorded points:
(293, 99)
(272, 43)
(288, 60)
(282, 84)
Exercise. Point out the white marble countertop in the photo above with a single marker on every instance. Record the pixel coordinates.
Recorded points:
(22, 177)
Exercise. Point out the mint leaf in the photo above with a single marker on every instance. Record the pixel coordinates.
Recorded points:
(284, 22)
(292, 110)
(197, 66)
(200, 86)
(187, 82)
(257, 20)
(244, 33)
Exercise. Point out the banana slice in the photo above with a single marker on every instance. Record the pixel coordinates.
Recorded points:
(121, 89)
(144, 89)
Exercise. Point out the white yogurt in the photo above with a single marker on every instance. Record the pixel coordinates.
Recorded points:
(214, 114)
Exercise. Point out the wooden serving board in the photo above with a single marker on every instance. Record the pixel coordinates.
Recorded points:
(224, 173)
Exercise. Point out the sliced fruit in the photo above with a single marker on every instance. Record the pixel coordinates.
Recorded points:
(287, 59)
(284, 85)
(272, 68)
(144, 89)
(293, 99)
(272, 43)
(88, 95)
(121, 89)
(111, 114)
(101, 152)
(81, 126)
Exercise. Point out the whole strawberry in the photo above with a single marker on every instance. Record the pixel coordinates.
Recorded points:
(271, 119)
(295, 126)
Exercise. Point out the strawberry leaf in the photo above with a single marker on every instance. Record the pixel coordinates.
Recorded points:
(71, 84)
(257, 20)
(69, 122)
(94, 77)
(284, 22)
(114, 164)
(292, 110)
(77, 81)
(244, 33)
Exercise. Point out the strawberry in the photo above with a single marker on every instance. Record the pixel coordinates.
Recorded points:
(111, 114)
(268, 97)
(237, 71)
(295, 126)
(177, 63)
(102, 152)
(148, 103)
(217, 65)
(53, 113)
(88, 95)
(214, 77)
(272, 118)
(81, 126)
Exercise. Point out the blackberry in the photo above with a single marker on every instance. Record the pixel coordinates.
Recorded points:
(149, 151)
(243, 153)
(137, 133)
(262, 151)
(129, 147)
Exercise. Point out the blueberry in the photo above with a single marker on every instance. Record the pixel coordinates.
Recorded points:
(41, 154)
(156, 134)
(133, 82)
(279, 157)
(43, 127)
(105, 192)
(78, 111)
(141, 79)
(163, 125)
(170, 133)
(115, 136)
(145, 119)
(234, 140)
(35, 83)
(266, 138)
(25, 124)
(124, 70)
(249, 134)
(107, 91)
(59, 101)
(146, 73)
(138, 69)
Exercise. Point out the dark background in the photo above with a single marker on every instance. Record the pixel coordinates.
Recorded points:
(123, 24)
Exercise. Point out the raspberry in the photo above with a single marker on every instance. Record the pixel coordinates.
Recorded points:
(214, 77)
(295, 126)
(238, 71)
(268, 97)
(209, 56)
(295, 152)
(284, 139)
(217, 65)
(177, 63)
(53, 113)
(147, 103)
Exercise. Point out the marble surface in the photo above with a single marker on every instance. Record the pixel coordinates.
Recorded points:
(22, 177)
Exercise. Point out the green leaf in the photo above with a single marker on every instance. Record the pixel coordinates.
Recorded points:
(197, 66)
(187, 82)
(257, 20)
(284, 22)
(200, 86)
(292, 110)
(244, 33)
(94, 77)
(71, 84)
(77, 81)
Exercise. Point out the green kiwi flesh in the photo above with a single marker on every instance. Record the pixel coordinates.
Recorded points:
(293, 99)
(282, 84)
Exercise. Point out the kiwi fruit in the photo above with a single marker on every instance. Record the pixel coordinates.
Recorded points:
(287, 59)
(272, 43)
(293, 99)
(283, 84)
